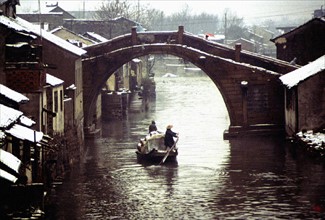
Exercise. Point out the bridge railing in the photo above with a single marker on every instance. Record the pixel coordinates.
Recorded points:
(190, 40)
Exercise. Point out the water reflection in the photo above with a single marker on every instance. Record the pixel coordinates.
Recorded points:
(248, 178)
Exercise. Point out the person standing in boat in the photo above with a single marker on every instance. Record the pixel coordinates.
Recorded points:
(152, 127)
(169, 137)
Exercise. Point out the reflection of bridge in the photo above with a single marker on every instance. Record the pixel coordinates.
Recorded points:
(248, 82)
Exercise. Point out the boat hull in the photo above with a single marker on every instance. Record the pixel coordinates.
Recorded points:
(156, 156)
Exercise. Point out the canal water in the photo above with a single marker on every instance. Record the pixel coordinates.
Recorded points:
(247, 178)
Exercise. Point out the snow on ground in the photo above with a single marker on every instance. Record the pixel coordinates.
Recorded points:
(314, 141)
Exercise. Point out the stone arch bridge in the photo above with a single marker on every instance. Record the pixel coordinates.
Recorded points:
(248, 82)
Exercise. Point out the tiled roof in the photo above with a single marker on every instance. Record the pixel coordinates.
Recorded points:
(19, 24)
(318, 19)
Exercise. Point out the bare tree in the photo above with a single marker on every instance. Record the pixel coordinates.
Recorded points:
(233, 25)
(149, 17)
(114, 8)
(182, 16)
(139, 13)
(155, 19)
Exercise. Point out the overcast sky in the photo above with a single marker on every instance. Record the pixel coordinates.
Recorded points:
(249, 9)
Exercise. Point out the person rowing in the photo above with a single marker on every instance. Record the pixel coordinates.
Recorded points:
(169, 137)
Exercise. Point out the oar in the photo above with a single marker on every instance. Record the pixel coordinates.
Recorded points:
(165, 157)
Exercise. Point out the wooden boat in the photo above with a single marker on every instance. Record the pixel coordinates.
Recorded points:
(152, 149)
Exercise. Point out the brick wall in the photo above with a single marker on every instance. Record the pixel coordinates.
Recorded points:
(311, 102)
(25, 81)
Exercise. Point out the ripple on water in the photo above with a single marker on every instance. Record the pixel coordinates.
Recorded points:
(213, 179)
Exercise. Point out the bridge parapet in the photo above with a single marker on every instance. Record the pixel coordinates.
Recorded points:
(133, 39)
(190, 40)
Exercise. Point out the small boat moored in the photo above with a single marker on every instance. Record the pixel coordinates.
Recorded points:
(152, 149)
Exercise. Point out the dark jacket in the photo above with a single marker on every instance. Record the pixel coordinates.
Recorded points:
(169, 140)
(152, 127)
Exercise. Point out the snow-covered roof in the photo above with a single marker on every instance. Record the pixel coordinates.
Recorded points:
(67, 99)
(253, 33)
(192, 69)
(124, 18)
(71, 87)
(26, 121)
(8, 176)
(17, 45)
(56, 29)
(13, 95)
(25, 133)
(11, 161)
(46, 8)
(43, 9)
(136, 60)
(11, 23)
(244, 40)
(8, 116)
(53, 81)
(139, 27)
(20, 12)
(20, 24)
(78, 37)
(293, 78)
(2, 135)
(97, 36)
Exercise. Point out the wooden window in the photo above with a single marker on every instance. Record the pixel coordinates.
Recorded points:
(61, 100)
(56, 101)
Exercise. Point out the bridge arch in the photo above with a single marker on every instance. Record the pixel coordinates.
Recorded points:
(252, 94)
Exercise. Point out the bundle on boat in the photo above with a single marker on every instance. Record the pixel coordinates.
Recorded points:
(152, 148)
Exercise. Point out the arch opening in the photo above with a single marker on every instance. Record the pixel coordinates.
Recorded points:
(104, 66)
